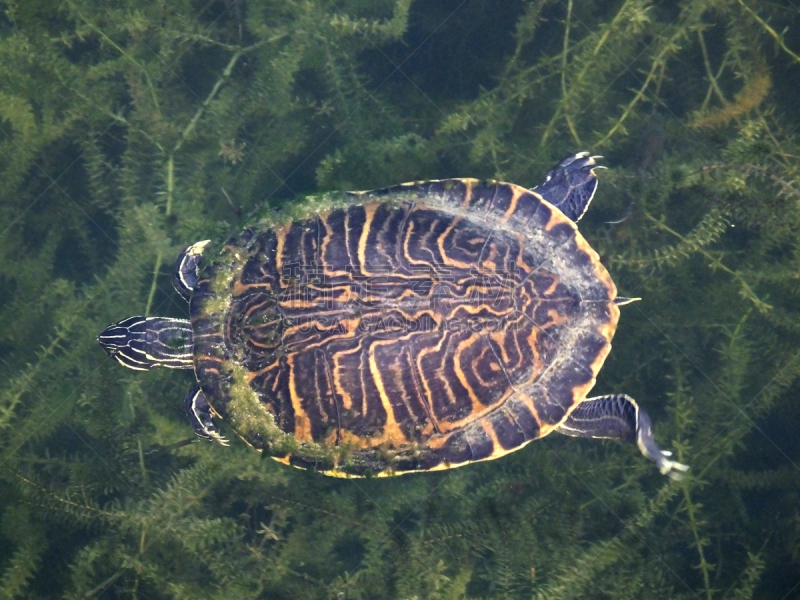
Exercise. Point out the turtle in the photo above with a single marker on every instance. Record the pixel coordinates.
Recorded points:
(418, 327)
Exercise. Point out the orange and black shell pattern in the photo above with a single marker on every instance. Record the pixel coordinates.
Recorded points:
(414, 328)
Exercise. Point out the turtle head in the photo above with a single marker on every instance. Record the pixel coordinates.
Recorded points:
(142, 343)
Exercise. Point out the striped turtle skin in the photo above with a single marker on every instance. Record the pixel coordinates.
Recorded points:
(414, 328)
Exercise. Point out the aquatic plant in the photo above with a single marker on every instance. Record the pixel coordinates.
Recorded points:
(128, 131)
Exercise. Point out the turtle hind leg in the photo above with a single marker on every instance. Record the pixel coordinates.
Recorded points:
(619, 417)
(184, 275)
(199, 413)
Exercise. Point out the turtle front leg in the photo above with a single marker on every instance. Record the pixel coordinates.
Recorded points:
(199, 413)
(618, 417)
(571, 184)
(185, 276)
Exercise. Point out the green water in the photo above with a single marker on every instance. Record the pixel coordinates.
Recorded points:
(132, 130)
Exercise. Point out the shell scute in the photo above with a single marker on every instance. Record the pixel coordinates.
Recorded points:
(417, 327)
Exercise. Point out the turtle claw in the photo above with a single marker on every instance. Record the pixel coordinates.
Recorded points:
(199, 412)
(671, 468)
(214, 436)
(644, 439)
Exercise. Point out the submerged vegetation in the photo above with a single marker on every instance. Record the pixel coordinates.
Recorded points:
(130, 130)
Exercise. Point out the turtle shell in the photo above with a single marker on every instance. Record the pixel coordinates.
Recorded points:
(414, 328)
